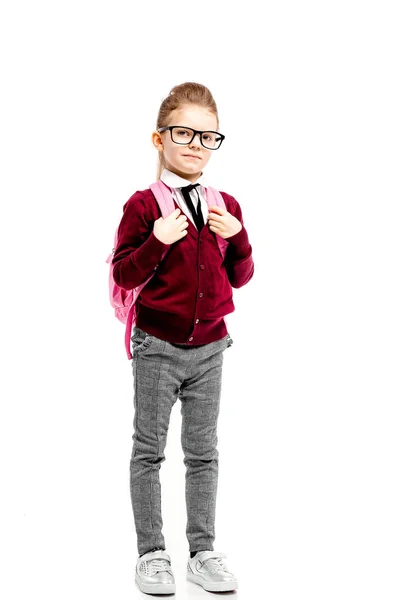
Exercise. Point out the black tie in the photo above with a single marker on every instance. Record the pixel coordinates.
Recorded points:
(197, 216)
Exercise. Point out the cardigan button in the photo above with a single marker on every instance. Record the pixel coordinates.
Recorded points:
(190, 339)
(197, 320)
(201, 295)
(202, 267)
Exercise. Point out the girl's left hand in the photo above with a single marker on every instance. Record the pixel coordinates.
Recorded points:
(222, 222)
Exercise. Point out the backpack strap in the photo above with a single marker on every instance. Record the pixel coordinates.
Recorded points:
(162, 194)
(128, 331)
(214, 198)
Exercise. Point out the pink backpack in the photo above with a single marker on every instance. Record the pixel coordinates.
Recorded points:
(124, 301)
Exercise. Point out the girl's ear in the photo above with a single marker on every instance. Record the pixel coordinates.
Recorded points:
(157, 141)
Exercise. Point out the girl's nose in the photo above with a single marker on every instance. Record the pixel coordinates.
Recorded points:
(196, 141)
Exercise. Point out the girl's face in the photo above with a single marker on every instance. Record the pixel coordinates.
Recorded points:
(186, 161)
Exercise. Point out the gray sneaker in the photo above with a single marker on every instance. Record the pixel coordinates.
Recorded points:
(208, 569)
(154, 574)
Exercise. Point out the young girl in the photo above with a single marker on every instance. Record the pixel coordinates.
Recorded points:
(180, 333)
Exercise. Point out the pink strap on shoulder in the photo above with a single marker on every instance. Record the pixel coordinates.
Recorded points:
(214, 197)
(163, 196)
(165, 201)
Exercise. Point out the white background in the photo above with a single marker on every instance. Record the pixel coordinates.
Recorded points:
(308, 96)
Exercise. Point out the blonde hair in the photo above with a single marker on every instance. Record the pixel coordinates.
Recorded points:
(185, 93)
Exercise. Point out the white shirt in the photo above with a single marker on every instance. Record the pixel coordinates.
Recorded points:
(173, 181)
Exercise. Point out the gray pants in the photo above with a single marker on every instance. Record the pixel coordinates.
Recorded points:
(162, 371)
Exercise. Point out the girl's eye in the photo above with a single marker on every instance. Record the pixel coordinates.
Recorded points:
(182, 132)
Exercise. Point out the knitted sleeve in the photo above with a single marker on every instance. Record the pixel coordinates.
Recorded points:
(239, 262)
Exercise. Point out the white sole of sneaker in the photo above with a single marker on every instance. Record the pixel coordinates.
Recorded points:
(212, 586)
(155, 588)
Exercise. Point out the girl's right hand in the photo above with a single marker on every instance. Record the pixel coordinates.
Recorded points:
(172, 228)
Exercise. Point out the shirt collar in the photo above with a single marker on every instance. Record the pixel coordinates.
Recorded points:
(174, 181)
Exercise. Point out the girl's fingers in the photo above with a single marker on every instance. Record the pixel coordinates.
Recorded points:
(217, 209)
(214, 217)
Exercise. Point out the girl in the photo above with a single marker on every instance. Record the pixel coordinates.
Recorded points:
(180, 333)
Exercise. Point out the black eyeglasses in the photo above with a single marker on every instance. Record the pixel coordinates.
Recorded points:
(185, 135)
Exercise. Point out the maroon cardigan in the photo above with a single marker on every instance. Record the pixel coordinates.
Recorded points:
(186, 299)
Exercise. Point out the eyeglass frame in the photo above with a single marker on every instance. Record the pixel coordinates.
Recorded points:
(195, 132)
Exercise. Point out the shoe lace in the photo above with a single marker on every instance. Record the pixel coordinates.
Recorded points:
(157, 565)
(217, 564)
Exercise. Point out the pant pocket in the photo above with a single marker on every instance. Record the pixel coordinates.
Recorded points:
(140, 341)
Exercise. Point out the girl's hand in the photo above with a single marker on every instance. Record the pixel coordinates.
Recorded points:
(222, 222)
(172, 228)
